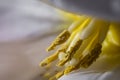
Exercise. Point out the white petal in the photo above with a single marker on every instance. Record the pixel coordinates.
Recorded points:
(29, 20)
(24, 18)
(87, 75)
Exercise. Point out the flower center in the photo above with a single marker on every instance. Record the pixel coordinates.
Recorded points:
(80, 45)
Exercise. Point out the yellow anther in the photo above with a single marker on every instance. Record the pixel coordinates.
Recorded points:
(87, 60)
(49, 59)
(59, 40)
(70, 53)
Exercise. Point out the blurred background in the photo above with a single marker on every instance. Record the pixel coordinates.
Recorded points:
(27, 27)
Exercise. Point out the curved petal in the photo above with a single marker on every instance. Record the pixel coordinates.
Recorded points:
(20, 19)
(103, 9)
(86, 75)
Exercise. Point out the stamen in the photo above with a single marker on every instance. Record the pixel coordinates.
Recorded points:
(59, 40)
(87, 60)
(81, 45)
(91, 57)
(70, 53)
(74, 46)
(49, 59)
(52, 57)
(66, 33)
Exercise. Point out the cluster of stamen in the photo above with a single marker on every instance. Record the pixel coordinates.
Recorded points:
(80, 45)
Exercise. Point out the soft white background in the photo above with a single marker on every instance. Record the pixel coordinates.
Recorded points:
(25, 27)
